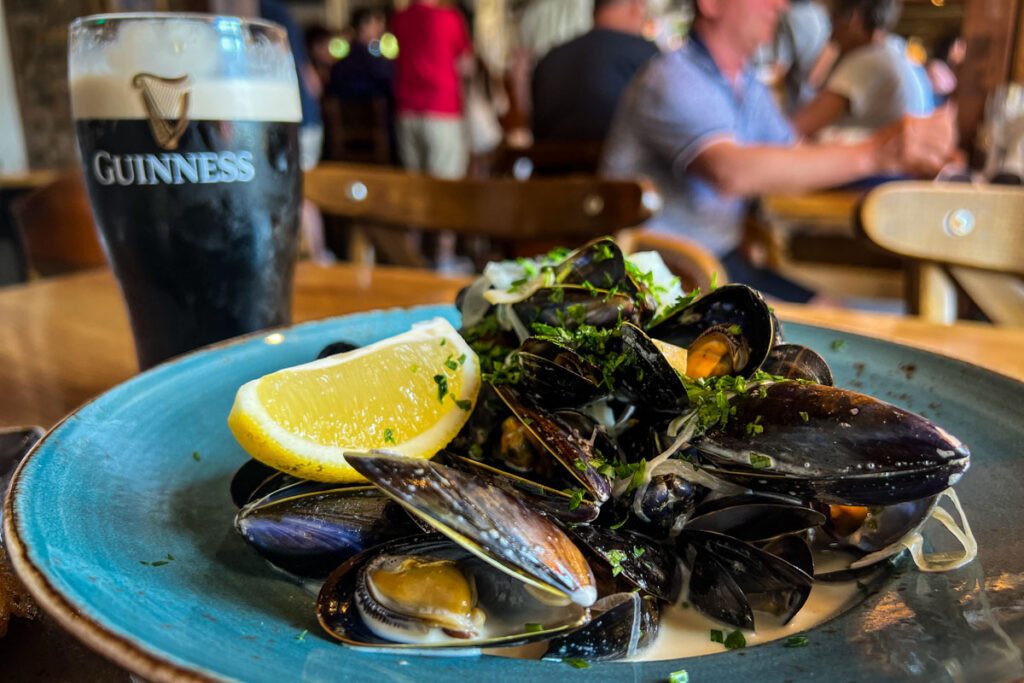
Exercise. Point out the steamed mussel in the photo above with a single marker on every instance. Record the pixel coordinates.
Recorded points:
(633, 448)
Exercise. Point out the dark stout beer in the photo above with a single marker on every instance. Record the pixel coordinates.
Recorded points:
(203, 238)
(195, 185)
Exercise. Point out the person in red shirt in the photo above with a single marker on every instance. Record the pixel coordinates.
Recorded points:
(433, 50)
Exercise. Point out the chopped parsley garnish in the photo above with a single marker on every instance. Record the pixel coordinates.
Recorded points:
(838, 344)
(443, 342)
(604, 252)
(442, 386)
(158, 563)
(302, 636)
(679, 677)
(451, 363)
(534, 628)
(196, 456)
(761, 462)
(804, 416)
(575, 497)
(556, 295)
(754, 428)
(476, 451)
(414, 368)
(735, 330)
(615, 559)
(389, 436)
(714, 281)
(735, 640)
(580, 465)
(638, 552)
(463, 403)
(717, 636)
(797, 641)
(577, 663)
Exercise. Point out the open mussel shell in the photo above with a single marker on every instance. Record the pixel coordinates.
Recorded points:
(621, 625)
(831, 445)
(568, 438)
(647, 378)
(753, 518)
(795, 361)
(570, 306)
(635, 558)
(551, 502)
(730, 578)
(512, 613)
(309, 528)
(865, 530)
(731, 305)
(556, 376)
(601, 264)
(495, 525)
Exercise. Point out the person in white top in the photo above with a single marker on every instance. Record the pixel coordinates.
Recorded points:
(874, 82)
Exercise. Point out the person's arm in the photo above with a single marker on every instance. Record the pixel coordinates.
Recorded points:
(822, 111)
(913, 146)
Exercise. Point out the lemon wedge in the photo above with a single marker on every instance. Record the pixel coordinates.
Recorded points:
(409, 394)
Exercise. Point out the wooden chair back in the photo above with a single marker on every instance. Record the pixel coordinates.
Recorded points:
(57, 227)
(567, 210)
(953, 235)
(548, 158)
(357, 131)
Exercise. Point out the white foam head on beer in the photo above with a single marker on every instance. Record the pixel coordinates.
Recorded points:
(233, 76)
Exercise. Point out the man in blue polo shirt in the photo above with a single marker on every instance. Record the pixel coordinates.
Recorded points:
(700, 125)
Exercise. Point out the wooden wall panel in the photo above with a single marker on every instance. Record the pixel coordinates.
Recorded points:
(990, 28)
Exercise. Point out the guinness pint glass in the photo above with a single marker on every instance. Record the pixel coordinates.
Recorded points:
(188, 132)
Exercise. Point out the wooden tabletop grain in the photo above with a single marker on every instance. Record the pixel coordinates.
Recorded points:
(66, 340)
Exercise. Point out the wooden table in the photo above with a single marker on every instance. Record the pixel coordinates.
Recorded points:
(66, 340)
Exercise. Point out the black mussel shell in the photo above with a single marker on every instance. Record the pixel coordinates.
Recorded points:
(884, 525)
(602, 265)
(249, 478)
(646, 377)
(668, 501)
(495, 525)
(570, 306)
(498, 594)
(728, 305)
(310, 528)
(621, 625)
(714, 592)
(482, 428)
(753, 518)
(551, 502)
(641, 561)
(571, 438)
(336, 348)
(831, 445)
(792, 549)
(556, 376)
(768, 582)
(795, 361)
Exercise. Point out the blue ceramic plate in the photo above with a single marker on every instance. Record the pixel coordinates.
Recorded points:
(121, 525)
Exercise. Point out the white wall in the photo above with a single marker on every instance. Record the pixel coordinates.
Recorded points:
(12, 142)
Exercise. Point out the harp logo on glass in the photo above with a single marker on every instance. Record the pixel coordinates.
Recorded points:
(166, 101)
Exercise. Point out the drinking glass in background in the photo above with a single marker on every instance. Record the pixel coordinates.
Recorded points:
(1002, 135)
(187, 127)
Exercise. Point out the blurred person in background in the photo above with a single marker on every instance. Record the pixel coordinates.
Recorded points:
(708, 133)
(434, 52)
(363, 73)
(577, 85)
(947, 56)
(311, 132)
(800, 52)
(318, 47)
(873, 83)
